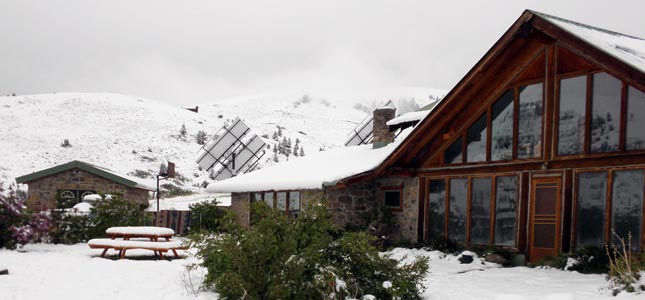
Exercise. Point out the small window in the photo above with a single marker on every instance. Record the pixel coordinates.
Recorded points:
(294, 203)
(392, 198)
(453, 153)
(502, 128)
(480, 211)
(635, 119)
(605, 121)
(458, 209)
(436, 209)
(281, 201)
(476, 134)
(529, 129)
(571, 123)
(627, 205)
(268, 199)
(592, 195)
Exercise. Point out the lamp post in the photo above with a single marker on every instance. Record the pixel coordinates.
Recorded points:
(170, 173)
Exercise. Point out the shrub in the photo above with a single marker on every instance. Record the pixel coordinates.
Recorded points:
(591, 260)
(18, 225)
(444, 245)
(303, 258)
(207, 217)
(169, 190)
(66, 144)
(70, 228)
(116, 211)
(624, 270)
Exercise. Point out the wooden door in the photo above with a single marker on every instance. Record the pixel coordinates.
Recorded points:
(545, 218)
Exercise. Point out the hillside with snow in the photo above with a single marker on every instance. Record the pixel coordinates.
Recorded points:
(132, 135)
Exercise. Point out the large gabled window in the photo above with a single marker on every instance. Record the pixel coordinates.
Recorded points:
(510, 128)
(593, 109)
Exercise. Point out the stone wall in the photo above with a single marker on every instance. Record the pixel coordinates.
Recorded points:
(44, 191)
(406, 219)
(354, 206)
(241, 206)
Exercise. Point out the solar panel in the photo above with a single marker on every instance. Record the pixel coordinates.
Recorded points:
(234, 152)
(362, 133)
(227, 138)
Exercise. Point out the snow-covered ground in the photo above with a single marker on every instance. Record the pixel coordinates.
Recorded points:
(60, 272)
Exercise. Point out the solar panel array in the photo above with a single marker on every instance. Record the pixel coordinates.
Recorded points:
(235, 151)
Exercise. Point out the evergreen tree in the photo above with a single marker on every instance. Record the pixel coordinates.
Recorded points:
(302, 151)
(182, 130)
(201, 137)
(275, 136)
(295, 150)
(279, 131)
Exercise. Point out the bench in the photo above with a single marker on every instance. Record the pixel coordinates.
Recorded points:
(147, 238)
(158, 247)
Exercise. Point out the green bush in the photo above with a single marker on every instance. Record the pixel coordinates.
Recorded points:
(444, 245)
(116, 211)
(303, 258)
(207, 217)
(591, 260)
(70, 228)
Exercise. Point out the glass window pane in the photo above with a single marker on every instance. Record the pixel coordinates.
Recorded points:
(573, 102)
(268, 199)
(294, 203)
(436, 208)
(502, 128)
(392, 198)
(529, 131)
(627, 205)
(476, 136)
(480, 211)
(635, 119)
(605, 120)
(453, 153)
(592, 198)
(256, 197)
(457, 218)
(505, 207)
(282, 201)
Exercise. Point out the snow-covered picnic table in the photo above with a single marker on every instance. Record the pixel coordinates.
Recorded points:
(138, 237)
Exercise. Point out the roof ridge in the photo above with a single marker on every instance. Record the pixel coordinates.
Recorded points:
(544, 15)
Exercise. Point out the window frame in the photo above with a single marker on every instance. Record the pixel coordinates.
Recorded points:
(488, 113)
(287, 211)
(608, 203)
(493, 205)
(389, 189)
(586, 150)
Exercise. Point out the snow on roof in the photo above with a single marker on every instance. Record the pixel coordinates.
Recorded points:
(409, 117)
(139, 183)
(628, 49)
(183, 203)
(311, 172)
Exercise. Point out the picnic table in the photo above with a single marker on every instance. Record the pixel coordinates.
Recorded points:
(138, 237)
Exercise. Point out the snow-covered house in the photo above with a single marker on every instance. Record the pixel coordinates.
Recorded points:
(539, 148)
(74, 180)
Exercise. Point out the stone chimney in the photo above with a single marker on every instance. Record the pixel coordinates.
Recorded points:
(381, 134)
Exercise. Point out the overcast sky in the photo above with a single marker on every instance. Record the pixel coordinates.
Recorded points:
(190, 52)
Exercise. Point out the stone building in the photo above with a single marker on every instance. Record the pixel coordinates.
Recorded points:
(76, 179)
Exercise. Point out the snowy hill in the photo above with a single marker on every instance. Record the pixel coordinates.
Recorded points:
(133, 135)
